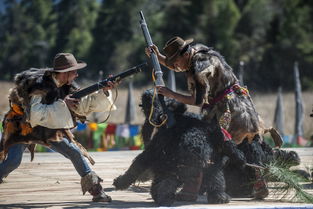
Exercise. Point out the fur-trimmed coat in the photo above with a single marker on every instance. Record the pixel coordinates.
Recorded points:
(35, 102)
(209, 77)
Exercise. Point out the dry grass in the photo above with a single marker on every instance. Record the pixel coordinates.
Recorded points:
(4, 92)
(265, 105)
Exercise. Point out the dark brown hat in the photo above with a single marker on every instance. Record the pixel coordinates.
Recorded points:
(64, 62)
(174, 46)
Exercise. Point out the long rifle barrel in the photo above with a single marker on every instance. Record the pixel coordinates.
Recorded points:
(99, 85)
(156, 65)
(157, 70)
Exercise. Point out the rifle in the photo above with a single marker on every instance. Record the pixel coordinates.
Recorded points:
(158, 72)
(103, 83)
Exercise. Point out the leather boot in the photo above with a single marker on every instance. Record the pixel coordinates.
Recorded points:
(190, 189)
(98, 194)
(91, 183)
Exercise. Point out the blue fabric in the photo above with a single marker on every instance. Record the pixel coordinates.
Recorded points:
(13, 160)
(64, 147)
(72, 152)
(81, 126)
(134, 130)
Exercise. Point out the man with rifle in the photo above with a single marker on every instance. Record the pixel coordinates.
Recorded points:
(42, 111)
(191, 58)
(159, 83)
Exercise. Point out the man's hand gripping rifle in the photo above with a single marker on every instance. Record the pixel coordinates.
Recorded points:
(99, 85)
(157, 71)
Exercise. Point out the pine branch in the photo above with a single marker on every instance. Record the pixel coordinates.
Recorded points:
(290, 182)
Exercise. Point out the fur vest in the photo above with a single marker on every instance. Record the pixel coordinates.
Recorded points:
(196, 78)
(197, 64)
(16, 128)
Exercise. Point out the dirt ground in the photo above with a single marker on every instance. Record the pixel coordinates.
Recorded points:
(50, 181)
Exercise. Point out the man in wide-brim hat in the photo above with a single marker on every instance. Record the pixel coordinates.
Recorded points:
(202, 66)
(43, 112)
(177, 56)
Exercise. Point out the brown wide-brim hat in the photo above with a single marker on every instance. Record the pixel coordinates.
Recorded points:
(65, 62)
(174, 46)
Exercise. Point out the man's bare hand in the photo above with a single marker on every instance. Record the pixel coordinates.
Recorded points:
(165, 91)
(111, 85)
(160, 56)
(72, 103)
(151, 49)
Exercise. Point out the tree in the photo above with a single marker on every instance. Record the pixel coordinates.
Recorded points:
(293, 41)
(251, 33)
(42, 31)
(25, 39)
(76, 19)
(113, 45)
(222, 18)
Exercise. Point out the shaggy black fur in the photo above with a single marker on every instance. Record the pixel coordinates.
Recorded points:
(177, 154)
(239, 182)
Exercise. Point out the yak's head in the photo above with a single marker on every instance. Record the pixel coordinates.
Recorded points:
(287, 158)
(148, 97)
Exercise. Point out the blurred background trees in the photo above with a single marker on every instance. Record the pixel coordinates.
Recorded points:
(268, 35)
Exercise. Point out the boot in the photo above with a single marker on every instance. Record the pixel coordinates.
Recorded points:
(190, 189)
(98, 194)
(260, 190)
(91, 183)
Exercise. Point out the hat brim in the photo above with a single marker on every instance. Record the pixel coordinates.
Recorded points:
(79, 65)
(187, 42)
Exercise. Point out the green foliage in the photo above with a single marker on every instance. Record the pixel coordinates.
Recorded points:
(28, 34)
(224, 23)
(76, 19)
(251, 30)
(268, 35)
(292, 37)
(289, 183)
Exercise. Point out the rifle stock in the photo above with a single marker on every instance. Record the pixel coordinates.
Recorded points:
(99, 85)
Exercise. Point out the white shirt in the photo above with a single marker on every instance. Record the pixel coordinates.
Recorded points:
(57, 115)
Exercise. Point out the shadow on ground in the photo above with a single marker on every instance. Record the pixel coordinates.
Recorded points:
(69, 205)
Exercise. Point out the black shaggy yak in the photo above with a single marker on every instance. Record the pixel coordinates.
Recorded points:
(177, 154)
(240, 182)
